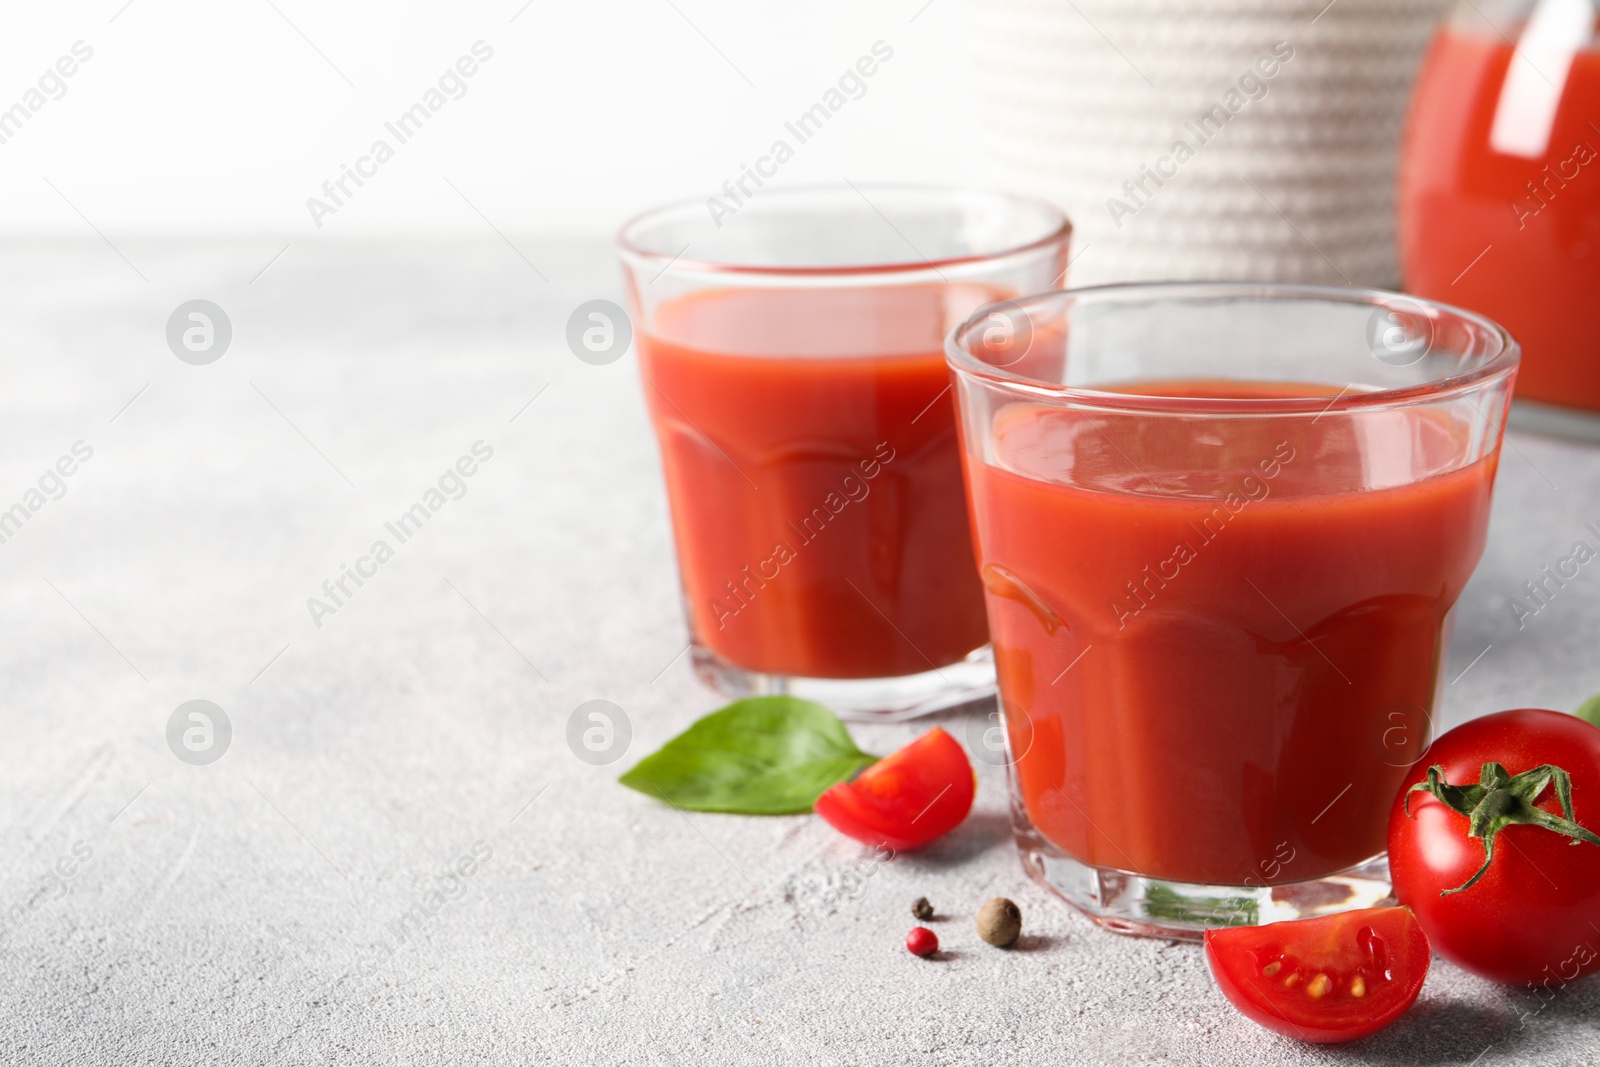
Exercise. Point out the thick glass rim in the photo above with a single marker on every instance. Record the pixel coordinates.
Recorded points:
(630, 235)
(1500, 364)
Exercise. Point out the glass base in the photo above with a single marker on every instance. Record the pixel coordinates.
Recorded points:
(1135, 904)
(1150, 907)
(905, 696)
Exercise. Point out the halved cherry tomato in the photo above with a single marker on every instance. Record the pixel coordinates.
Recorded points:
(1333, 978)
(907, 799)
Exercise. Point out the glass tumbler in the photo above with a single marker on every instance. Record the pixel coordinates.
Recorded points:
(792, 356)
(1221, 529)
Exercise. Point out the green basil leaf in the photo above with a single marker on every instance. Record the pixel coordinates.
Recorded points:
(761, 756)
(1589, 710)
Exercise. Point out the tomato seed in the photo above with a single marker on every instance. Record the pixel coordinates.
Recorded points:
(1318, 987)
(1272, 968)
(1288, 983)
(1358, 988)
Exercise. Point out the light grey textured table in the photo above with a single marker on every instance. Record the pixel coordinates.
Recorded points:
(254, 910)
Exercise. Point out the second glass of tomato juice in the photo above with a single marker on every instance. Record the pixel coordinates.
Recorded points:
(791, 347)
(1221, 529)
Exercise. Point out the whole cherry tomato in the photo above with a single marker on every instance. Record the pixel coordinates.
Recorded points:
(1491, 845)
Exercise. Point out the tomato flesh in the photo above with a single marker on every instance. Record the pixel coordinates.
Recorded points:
(905, 800)
(1329, 979)
(1532, 918)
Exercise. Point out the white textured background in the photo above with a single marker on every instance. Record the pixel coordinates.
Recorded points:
(1294, 180)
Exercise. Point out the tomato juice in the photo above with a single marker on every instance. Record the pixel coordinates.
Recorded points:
(1207, 626)
(809, 445)
(1501, 214)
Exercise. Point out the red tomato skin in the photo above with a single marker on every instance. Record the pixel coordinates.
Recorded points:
(907, 799)
(1229, 956)
(1532, 918)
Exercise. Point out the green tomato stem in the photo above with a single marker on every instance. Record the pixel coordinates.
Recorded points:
(1500, 800)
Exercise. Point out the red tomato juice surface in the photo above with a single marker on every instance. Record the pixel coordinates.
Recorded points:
(809, 445)
(1207, 634)
(1514, 237)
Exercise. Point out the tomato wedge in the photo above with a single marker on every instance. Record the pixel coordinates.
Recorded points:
(1329, 979)
(905, 800)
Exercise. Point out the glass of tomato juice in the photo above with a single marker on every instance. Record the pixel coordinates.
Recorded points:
(791, 346)
(1221, 528)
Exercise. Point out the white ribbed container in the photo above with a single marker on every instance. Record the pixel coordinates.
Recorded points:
(1069, 100)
